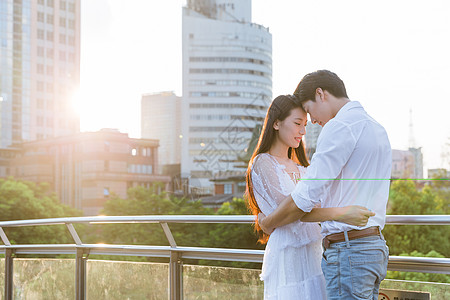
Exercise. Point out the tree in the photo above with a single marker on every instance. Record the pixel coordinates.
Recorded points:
(21, 200)
(406, 199)
(142, 201)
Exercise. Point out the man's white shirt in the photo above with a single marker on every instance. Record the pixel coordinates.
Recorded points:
(351, 166)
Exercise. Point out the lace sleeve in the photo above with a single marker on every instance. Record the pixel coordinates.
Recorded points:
(266, 179)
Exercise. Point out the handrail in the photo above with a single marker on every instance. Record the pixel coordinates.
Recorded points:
(237, 219)
(240, 219)
(176, 253)
(443, 265)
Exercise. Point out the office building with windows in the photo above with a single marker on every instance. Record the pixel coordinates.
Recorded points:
(39, 69)
(227, 86)
(86, 168)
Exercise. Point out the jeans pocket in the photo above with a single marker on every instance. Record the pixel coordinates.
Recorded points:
(366, 270)
(330, 269)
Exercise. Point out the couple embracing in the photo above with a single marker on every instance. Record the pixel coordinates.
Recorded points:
(345, 188)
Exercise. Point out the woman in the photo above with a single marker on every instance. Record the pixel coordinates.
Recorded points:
(291, 267)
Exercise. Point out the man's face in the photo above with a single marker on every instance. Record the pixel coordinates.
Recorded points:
(319, 110)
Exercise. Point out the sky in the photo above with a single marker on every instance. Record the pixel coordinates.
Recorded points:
(393, 56)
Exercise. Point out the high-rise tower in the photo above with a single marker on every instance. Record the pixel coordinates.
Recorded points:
(161, 120)
(40, 68)
(227, 86)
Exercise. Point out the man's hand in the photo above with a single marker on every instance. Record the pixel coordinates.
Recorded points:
(266, 230)
(354, 215)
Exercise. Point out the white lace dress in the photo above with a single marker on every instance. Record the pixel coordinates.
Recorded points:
(291, 267)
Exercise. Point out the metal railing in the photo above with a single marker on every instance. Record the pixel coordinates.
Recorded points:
(177, 253)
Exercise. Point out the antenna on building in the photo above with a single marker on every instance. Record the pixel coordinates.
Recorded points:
(412, 141)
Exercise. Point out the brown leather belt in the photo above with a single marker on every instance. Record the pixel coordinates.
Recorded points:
(352, 235)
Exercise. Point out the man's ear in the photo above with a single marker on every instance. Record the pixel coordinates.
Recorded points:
(276, 125)
(320, 93)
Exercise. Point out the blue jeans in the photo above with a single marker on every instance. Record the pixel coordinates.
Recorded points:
(354, 269)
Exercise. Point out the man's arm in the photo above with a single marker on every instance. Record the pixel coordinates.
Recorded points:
(287, 212)
(354, 215)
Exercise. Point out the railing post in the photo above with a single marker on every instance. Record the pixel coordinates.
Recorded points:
(9, 273)
(80, 278)
(175, 276)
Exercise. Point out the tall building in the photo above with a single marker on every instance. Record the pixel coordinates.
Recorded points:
(40, 68)
(84, 169)
(161, 120)
(418, 161)
(227, 86)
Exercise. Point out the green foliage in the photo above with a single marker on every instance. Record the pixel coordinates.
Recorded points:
(237, 236)
(21, 200)
(141, 201)
(414, 276)
(406, 199)
(414, 240)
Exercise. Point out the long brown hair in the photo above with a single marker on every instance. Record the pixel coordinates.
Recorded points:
(279, 109)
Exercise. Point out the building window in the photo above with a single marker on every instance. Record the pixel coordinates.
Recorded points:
(40, 51)
(106, 165)
(40, 16)
(40, 34)
(49, 19)
(134, 152)
(40, 86)
(49, 104)
(49, 36)
(62, 5)
(106, 192)
(40, 68)
(40, 103)
(228, 189)
(50, 70)
(49, 87)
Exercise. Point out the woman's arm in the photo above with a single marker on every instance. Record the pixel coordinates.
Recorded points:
(354, 215)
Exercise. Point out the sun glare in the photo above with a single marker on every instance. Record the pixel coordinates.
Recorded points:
(77, 102)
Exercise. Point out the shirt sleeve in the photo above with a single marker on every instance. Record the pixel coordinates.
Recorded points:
(266, 182)
(334, 147)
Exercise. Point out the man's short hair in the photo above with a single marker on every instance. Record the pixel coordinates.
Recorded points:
(324, 79)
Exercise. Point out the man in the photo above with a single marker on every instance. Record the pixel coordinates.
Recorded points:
(351, 166)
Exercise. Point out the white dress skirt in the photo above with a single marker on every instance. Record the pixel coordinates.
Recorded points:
(293, 272)
(292, 259)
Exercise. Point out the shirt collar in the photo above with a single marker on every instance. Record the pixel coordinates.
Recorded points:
(347, 107)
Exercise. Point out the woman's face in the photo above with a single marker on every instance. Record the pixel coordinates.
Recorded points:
(292, 129)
